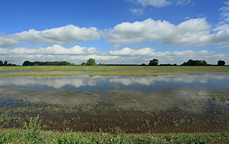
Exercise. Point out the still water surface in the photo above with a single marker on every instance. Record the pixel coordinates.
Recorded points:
(195, 95)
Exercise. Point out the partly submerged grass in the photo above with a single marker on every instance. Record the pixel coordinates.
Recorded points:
(90, 74)
(115, 68)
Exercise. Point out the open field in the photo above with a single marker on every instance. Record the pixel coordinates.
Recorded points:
(116, 68)
(90, 74)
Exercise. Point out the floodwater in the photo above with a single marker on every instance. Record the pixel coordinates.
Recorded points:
(196, 102)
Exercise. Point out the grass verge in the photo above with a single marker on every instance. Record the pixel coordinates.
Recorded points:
(115, 68)
(32, 134)
(90, 74)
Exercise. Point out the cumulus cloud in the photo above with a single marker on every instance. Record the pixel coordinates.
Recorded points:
(132, 52)
(187, 33)
(53, 50)
(62, 35)
(123, 56)
(145, 54)
(193, 32)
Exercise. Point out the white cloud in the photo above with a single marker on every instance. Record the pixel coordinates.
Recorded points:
(160, 3)
(155, 3)
(145, 54)
(137, 11)
(63, 35)
(123, 56)
(115, 47)
(187, 33)
(183, 2)
(132, 52)
(223, 25)
(53, 50)
(225, 12)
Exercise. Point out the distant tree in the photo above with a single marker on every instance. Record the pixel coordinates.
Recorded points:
(153, 62)
(1, 63)
(221, 63)
(36, 64)
(91, 62)
(166, 64)
(5, 63)
(26, 63)
(84, 64)
(143, 64)
(195, 63)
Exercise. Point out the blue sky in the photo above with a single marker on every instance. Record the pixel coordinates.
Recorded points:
(114, 31)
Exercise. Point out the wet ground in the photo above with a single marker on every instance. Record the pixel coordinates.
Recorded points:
(198, 102)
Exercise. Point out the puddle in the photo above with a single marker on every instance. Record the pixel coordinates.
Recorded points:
(134, 104)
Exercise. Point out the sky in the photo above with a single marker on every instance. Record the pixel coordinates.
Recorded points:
(114, 31)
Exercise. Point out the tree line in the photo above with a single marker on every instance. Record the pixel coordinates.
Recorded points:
(190, 62)
(91, 62)
(47, 63)
(5, 63)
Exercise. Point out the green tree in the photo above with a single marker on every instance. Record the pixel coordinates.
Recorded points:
(153, 62)
(1, 63)
(221, 63)
(5, 63)
(84, 64)
(91, 62)
(26, 63)
(195, 63)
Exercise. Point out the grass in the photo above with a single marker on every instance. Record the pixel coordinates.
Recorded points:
(33, 134)
(90, 74)
(115, 68)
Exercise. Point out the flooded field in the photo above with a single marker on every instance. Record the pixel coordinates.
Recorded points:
(171, 103)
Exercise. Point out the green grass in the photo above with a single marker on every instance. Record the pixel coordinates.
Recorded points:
(115, 68)
(32, 134)
(55, 137)
(90, 74)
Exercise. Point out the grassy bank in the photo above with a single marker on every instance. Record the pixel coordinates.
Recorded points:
(52, 137)
(116, 68)
(32, 134)
(90, 74)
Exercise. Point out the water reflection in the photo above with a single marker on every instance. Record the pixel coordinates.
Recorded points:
(55, 82)
(190, 93)
(167, 78)
(79, 81)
